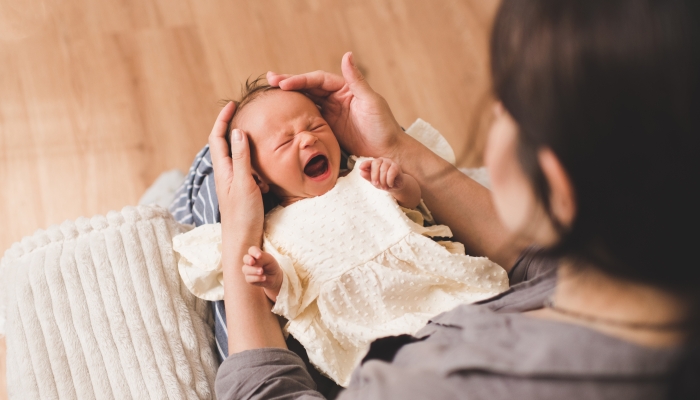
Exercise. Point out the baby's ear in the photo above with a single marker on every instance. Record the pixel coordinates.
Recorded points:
(264, 187)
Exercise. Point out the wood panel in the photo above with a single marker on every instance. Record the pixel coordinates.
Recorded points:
(97, 98)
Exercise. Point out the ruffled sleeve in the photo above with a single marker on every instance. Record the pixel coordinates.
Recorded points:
(293, 298)
(199, 261)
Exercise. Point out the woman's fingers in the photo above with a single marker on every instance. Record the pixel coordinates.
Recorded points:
(217, 141)
(352, 75)
(317, 83)
(239, 160)
(360, 118)
(240, 155)
(273, 78)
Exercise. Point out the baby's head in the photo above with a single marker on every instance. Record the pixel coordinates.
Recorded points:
(294, 153)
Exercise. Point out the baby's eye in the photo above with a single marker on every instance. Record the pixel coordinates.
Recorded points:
(285, 143)
(317, 127)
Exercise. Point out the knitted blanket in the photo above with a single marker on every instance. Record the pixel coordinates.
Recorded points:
(95, 309)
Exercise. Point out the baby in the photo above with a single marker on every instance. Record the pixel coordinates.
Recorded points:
(341, 260)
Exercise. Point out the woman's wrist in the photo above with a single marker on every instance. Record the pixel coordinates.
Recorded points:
(244, 228)
(409, 195)
(250, 322)
(238, 240)
(415, 159)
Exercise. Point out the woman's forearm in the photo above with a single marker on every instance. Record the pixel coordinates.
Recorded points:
(250, 323)
(409, 195)
(458, 201)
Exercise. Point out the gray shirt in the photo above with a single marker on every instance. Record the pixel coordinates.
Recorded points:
(483, 351)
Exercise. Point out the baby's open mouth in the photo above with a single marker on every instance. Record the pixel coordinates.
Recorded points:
(316, 166)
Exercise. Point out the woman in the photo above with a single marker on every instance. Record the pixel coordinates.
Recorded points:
(591, 156)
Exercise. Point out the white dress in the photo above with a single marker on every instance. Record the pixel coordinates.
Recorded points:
(356, 268)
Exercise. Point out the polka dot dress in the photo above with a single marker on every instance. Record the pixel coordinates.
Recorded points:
(357, 268)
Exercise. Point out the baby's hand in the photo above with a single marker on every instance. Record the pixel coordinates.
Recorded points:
(385, 174)
(261, 269)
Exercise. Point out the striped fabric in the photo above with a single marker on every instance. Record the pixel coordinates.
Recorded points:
(195, 202)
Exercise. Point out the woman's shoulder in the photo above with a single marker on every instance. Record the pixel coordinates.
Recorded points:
(474, 350)
(492, 350)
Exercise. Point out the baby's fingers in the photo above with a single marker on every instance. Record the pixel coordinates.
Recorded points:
(376, 170)
(365, 170)
(366, 166)
(257, 280)
(249, 260)
(383, 172)
(393, 177)
(251, 270)
(254, 275)
(266, 259)
(255, 252)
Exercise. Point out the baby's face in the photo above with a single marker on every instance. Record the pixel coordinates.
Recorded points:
(293, 149)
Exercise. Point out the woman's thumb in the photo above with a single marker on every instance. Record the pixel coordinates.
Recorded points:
(352, 75)
(240, 153)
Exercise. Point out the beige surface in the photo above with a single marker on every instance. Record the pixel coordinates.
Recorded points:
(100, 97)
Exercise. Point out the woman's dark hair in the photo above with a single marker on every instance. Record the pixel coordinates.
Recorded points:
(612, 87)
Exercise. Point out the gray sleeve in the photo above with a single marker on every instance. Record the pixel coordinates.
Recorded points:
(281, 374)
(379, 380)
(532, 263)
(265, 374)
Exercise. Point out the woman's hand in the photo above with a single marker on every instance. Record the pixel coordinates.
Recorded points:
(250, 323)
(240, 200)
(360, 118)
(364, 125)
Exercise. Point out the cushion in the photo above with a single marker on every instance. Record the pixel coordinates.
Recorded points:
(95, 308)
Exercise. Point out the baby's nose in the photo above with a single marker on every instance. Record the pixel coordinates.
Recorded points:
(307, 139)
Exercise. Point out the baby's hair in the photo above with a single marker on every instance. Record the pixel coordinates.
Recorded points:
(251, 90)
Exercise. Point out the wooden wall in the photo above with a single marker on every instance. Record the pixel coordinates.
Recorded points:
(98, 97)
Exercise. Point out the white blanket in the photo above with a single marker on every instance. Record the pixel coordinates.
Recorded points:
(95, 309)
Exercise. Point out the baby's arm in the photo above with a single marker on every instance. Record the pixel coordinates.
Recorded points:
(261, 269)
(385, 174)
